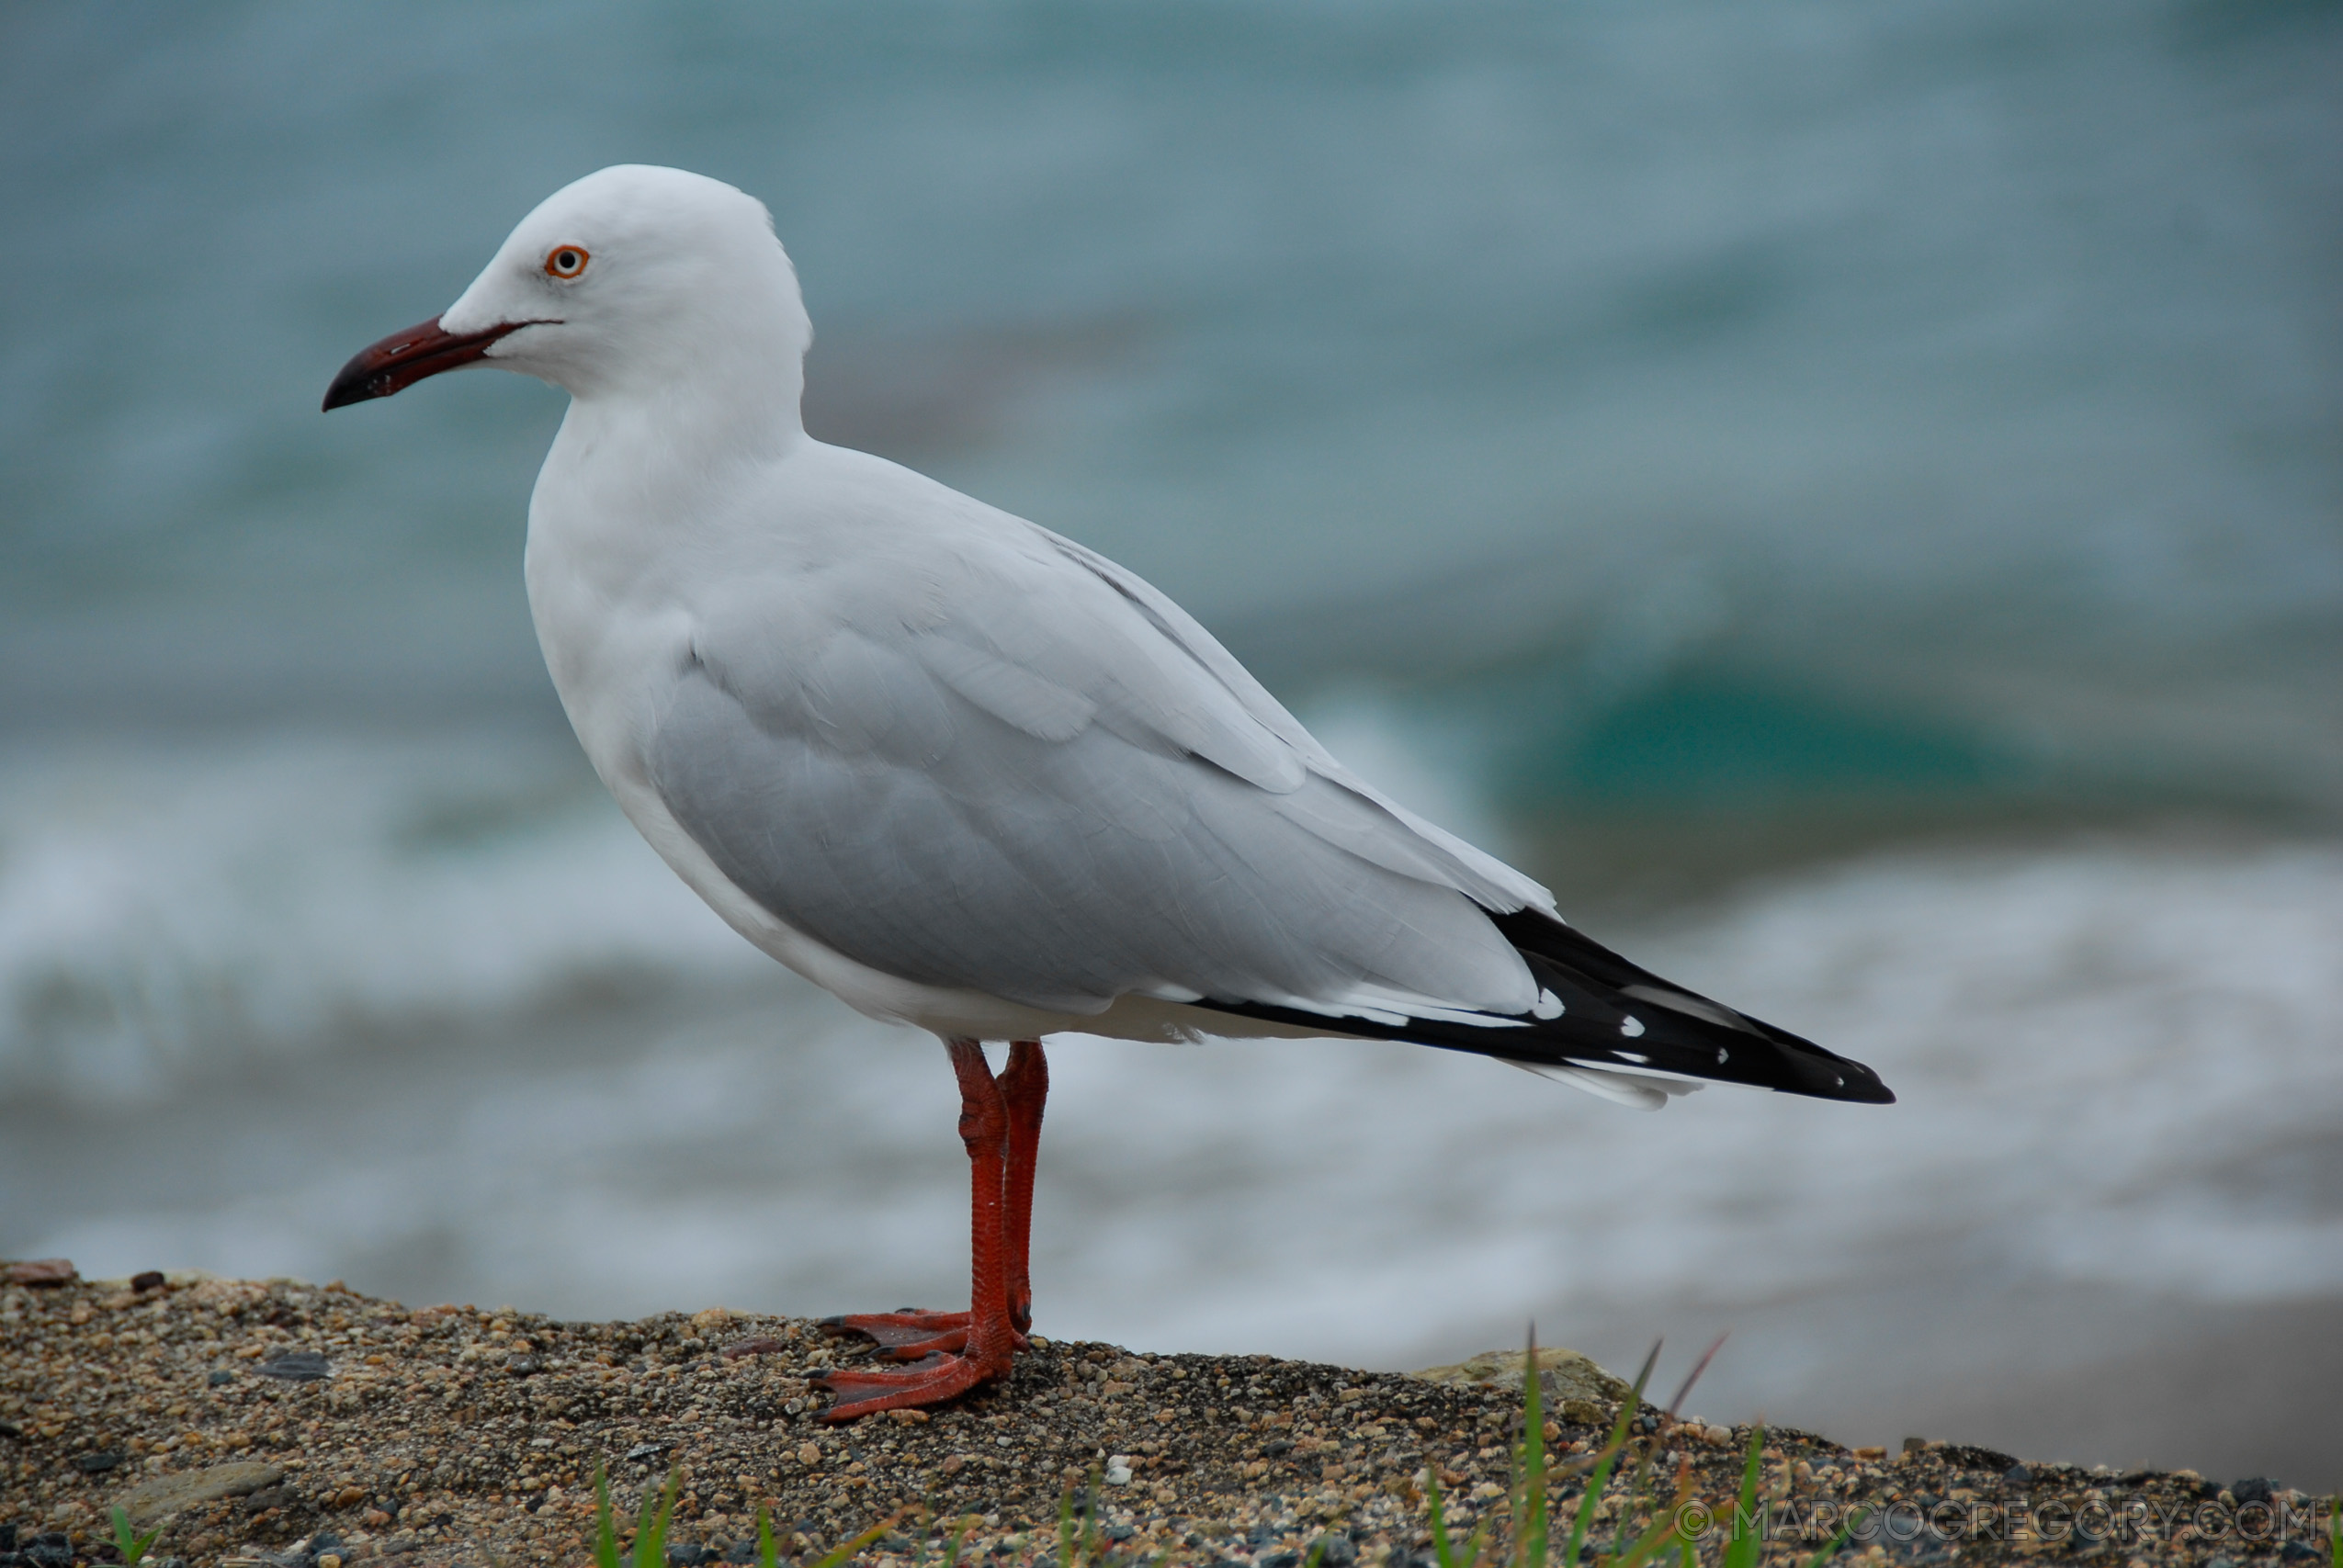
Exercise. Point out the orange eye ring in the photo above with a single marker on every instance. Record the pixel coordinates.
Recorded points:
(566, 261)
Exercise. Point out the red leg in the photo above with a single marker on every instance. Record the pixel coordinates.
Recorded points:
(989, 1339)
(909, 1334)
(1024, 1084)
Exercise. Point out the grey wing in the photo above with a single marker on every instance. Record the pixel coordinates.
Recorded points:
(996, 770)
(1474, 871)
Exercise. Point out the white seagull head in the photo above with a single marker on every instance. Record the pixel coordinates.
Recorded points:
(636, 282)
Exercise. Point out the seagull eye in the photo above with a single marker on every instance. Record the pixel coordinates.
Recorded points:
(565, 260)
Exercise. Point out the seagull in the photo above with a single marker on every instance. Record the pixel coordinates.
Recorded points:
(960, 770)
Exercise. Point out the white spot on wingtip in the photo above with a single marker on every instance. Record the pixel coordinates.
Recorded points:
(1631, 1026)
(1548, 1006)
(1635, 1056)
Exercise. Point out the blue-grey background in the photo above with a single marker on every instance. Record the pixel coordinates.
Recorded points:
(1852, 495)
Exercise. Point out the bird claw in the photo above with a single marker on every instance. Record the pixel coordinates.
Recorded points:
(904, 1336)
(936, 1378)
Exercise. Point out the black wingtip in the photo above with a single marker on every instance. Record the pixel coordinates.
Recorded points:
(1602, 1022)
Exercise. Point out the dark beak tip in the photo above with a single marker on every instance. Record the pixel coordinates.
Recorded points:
(360, 380)
(344, 391)
(403, 358)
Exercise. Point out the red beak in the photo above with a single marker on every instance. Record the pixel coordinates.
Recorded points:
(403, 358)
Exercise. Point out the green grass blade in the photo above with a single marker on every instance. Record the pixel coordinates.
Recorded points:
(1634, 1494)
(839, 1553)
(1662, 1512)
(605, 1543)
(1066, 1528)
(1627, 1501)
(1741, 1550)
(1529, 1528)
(650, 1528)
(1648, 1544)
(1442, 1552)
(1599, 1478)
(768, 1553)
(1609, 1460)
(645, 1521)
(128, 1543)
(1643, 1459)
(960, 1539)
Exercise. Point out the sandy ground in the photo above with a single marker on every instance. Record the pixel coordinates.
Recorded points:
(287, 1423)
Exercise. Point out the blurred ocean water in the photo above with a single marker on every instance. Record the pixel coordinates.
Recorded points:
(1850, 496)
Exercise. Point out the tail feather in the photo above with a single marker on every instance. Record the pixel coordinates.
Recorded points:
(1610, 1026)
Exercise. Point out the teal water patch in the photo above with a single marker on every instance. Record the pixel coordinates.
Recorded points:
(1717, 741)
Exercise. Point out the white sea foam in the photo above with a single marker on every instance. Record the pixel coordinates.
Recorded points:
(165, 909)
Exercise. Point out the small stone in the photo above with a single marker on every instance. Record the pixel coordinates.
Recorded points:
(97, 1462)
(296, 1366)
(2018, 1475)
(1118, 1469)
(38, 1272)
(2254, 1489)
(219, 1379)
(1568, 1382)
(168, 1493)
(151, 1280)
(762, 1344)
